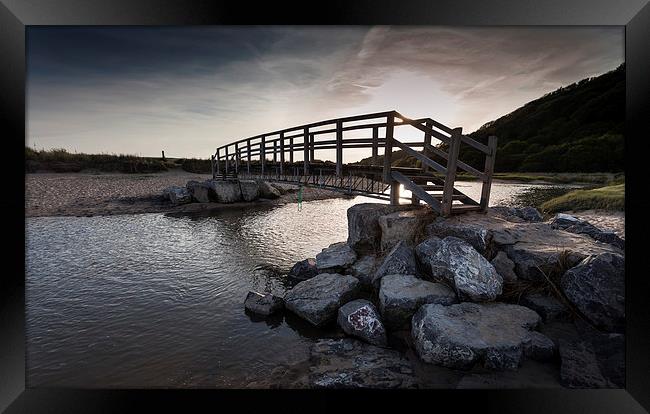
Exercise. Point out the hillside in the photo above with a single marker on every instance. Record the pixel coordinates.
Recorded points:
(577, 128)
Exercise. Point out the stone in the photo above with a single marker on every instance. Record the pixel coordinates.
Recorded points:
(400, 260)
(336, 257)
(263, 303)
(349, 363)
(364, 269)
(529, 214)
(177, 195)
(304, 269)
(408, 225)
(200, 191)
(572, 224)
(519, 214)
(579, 367)
(597, 288)
(250, 190)
(224, 191)
(505, 267)
(538, 346)
(281, 189)
(267, 190)
(400, 296)
(477, 236)
(466, 334)
(318, 299)
(360, 318)
(459, 264)
(548, 307)
(364, 232)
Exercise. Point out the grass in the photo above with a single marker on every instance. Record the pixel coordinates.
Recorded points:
(611, 197)
(558, 178)
(60, 160)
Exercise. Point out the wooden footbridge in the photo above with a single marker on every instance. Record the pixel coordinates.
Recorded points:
(289, 155)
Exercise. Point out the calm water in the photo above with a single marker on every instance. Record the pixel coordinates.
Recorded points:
(154, 301)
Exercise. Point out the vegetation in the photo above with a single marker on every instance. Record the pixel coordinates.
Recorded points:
(606, 198)
(60, 160)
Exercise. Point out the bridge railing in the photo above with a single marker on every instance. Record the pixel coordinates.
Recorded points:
(374, 132)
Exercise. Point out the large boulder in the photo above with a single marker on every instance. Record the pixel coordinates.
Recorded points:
(200, 191)
(267, 190)
(336, 257)
(364, 232)
(318, 299)
(549, 308)
(457, 262)
(263, 303)
(572, 224)
(597, 288)
(304, 269)
(408, 225)
(250, 190)
(224, 191)
(505, 267)
(360, 318)
(178, 195)
(477, 236)
(364, 269)
(349, 363)
(400, 296)
(400, 260)
(466, 334)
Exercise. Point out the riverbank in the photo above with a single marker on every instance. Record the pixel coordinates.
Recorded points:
(85, 194)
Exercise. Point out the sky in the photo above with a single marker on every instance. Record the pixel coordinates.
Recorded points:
(188, 90)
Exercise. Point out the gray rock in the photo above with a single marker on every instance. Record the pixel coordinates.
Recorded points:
(519, 214)
(263, 303)
(400, 296)
(304, 269)
(610, 354)
(529, 214)
(597, 288)
(281, 188)
(364, 232)
(224, 191)
(399, 261)
(349, 363)
(579, 367)
(548, 307)
(360, 318)
(177, 195)
(318, 299)
(538, 346)
(574, 225)
(336, 257)
(466, 334)
(267, 190)
(364, 269)
(505, 267)
(477, 236)
(200, 191)
(408, 226)
(457, 262)
(250, 190)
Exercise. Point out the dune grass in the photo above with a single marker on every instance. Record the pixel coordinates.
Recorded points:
(604, 198)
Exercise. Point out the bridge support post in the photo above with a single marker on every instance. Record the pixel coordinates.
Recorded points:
(448, 189)
(305, 152)
(281, 153)
(415, 200)
(217, 161)
(212, 165)
(489, 171)
(375, 145)
(339, 147)
(394, 193)
(291, 150)
(248, 155)
(427, 140)
(388, 149)
(227, 161)
(275, 152)
(263, 154)
(311, 147)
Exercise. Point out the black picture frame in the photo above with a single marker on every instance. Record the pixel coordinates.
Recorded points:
(15, 15)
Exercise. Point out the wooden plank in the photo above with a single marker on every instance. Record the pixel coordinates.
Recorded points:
(473, 143)
(263, 153)
(375, 145)
(448, 191)
(248, 155)
(432, 187)
(217, 160)
(281, 153)
(291, 150)
(311, 147)
(489, 171)
(460, 164)
(414, 188)
(305, 152)
(339, 147)
(464, 208)
(427, 144)
(425, 161)
(227, 161)
(388, 148)
(275, 151)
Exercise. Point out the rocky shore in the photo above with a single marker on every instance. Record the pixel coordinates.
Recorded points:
(502, 299)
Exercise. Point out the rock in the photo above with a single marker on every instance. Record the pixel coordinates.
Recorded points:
(263, 303)
(549, 308)
(224, 191)
(318, 299)
(360, 318)
(572, 224)
(200, 191)
(457, 262)
(579, 367)
(281, 189)
(408, 226)
(364, 269)
(267, 190)
(250, 190)
(529, 214)
(476, 236)
(505, 267)
(400, 296)
(610, 354)
(364, 232)
(349, 363)
(399, 261)
(466, 334)
(304, 269)
(336, 257)
(177, 195)
(518, 215)
(597, 288)
(538, 347)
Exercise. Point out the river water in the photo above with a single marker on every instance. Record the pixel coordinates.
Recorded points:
(149, 300)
